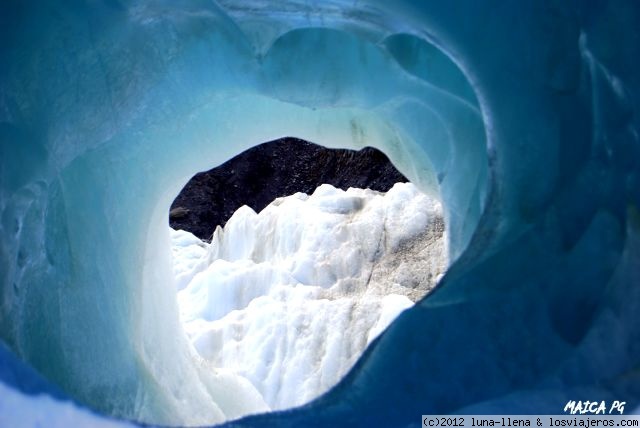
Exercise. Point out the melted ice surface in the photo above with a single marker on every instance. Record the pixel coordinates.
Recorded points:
(289, 298)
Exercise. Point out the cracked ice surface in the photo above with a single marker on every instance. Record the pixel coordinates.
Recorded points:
(289, 298)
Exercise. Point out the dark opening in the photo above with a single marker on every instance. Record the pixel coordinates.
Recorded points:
(271, 170)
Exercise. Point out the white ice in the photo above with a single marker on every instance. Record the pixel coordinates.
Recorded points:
(289, 298)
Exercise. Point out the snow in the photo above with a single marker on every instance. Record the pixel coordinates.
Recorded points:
(289, 298)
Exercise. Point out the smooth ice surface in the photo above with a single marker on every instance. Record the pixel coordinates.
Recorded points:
(289, 298)
(25, 411)
(521, 116)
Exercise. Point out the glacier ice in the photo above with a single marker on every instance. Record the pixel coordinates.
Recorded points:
(18, 411)
(522, 117)
(289, 298)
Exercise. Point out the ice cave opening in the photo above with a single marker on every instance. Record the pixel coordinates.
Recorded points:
(88, 249)
(304, 255)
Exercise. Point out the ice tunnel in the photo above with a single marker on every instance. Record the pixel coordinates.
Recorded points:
(521, 116)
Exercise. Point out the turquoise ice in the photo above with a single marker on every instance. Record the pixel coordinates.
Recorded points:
(521, 116)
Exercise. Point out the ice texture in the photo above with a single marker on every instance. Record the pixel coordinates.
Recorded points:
(521, 117)
(317, 278)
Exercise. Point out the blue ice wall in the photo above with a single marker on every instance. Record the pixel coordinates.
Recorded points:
(522, 116)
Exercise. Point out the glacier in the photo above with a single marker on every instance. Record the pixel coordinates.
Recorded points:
(520, 117)
(290, 297)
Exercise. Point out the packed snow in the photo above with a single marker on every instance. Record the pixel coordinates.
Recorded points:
(289, 298)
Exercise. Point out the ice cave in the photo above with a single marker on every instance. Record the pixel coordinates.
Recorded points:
(519, 117)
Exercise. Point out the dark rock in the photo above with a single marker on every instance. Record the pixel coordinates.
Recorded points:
(178, 212)
(279, 168)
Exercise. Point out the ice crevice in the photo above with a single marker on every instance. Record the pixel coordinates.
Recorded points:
(520, 117)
